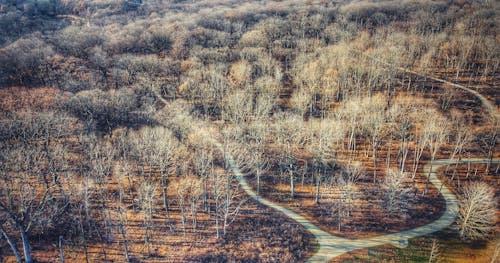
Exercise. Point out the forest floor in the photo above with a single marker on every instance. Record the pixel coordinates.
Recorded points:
(276, 239)
(286, 235)
(331, 246)
(451, 247)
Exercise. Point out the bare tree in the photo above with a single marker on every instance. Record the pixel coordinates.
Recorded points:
(351, 174)
(400, 114)
(264, 103)
(395, 192)
(168, 151)
(301, 101)
(122, 211)
(22, 61)
(104, 110)
(352, 114)
(224, 192)
(254, 38)
(207, 86)
(428, 133)
(374, 124)
(231, 153)
(258, 133)
(84, 212)
(290, 135)
(343, 189)
(203, 159)
(241, 73)
(476, 215)
(177, 118)
(237, 107)
(189, 193)
(436, 127)
(28, 198)
(217, 195)
(435, 252)
(99, 157)
(344, 184)
(326, 140)
(461, 135)
(488, 140)
(146, 196)
(32, 166)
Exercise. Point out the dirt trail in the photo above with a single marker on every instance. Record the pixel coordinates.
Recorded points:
(486, 103)
(331, 246)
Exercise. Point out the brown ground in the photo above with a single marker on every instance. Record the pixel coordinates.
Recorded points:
(452, 249)
(368, 217)
(21, 98)
(258, 234)
(464, 173)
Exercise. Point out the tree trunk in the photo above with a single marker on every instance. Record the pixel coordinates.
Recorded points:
(26, 244)
(490, 159)
(85, 250)
(217, 232)
(194, 215)
(318, 186)
(227, 201)
(226, 218)
(428, 178)
(389, 155)
(206, 207)
(258, 181)
(416, 162)
(12, 244)
(374, 162)
(146, 235)
(61, 251)
(404, 153)
(183, 217)
(123, 230)
(165, 199)
(339, 218)
(292, 185)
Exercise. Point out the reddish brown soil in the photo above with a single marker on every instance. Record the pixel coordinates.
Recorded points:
(258, 234)
(463, 173)
(20, 98)
(368, 217)
(451, 247)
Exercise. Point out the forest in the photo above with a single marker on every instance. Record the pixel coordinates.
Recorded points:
(249, 131)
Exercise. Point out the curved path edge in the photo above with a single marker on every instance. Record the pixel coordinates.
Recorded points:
(484, 101)
(331, 246)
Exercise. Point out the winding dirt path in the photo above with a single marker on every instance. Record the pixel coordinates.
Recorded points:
(485, 102)
(331, 246)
